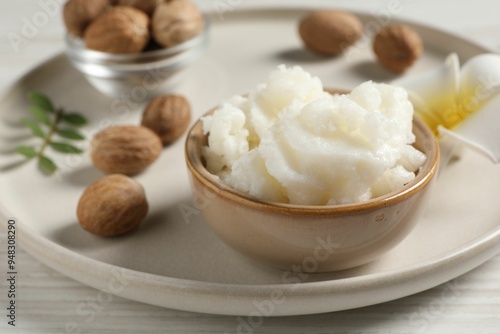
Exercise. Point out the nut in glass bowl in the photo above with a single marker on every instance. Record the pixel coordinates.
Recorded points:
(154, 72)
(319, 238)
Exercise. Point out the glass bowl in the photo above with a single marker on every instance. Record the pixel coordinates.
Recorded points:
(144, 74)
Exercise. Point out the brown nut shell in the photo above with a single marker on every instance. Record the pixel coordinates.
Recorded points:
(119, 30)
(176, 21)
(397, 47)
(330, 32)
(111, 206)
(77, 14)
(125, 149)
(147, 6)
(168, 116)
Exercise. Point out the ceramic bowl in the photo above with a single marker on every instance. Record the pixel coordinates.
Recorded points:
(311, 238)
(144, 74)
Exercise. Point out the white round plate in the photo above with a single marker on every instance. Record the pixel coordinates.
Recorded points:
(173, 259)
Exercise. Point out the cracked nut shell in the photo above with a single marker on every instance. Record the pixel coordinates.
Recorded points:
(119, 30)
(397, 47)
(168, 116)
(330, 32)
(125, 149)
(111, 206)
(77, 14)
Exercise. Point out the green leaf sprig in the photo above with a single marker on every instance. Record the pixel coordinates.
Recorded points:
(51, 125)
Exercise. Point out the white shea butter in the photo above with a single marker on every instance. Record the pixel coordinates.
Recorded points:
(291, 142)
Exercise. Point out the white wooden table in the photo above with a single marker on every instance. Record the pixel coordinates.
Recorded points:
(48, 302)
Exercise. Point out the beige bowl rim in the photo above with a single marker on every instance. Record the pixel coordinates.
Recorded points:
(426, 173)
